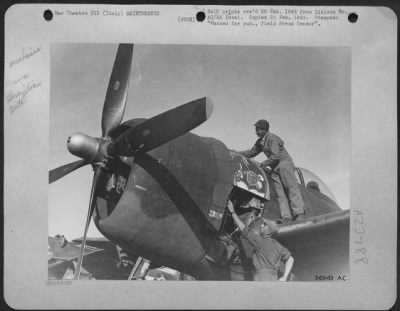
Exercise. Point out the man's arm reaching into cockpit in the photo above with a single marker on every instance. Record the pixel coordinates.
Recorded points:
(238, 222)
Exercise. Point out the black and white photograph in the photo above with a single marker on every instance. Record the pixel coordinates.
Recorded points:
(191, 162)
(200, 157)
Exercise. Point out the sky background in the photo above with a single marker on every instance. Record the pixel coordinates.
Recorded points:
(304, 92)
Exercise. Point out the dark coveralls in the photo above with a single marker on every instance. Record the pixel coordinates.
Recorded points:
(267, 256)
(282, 175)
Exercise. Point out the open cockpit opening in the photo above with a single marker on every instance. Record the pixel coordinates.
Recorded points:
(245, 203)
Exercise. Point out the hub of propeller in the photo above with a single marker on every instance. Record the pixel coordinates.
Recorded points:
(91, 149)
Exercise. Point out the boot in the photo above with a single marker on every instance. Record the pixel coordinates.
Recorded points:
(300, 217)
(284, 220)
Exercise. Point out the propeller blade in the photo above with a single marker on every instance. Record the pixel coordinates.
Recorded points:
(97, 174)
(61, 171)
(117, 91)
(162, 128)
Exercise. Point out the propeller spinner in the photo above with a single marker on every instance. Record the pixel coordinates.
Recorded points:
(138, 139)
(91, 149)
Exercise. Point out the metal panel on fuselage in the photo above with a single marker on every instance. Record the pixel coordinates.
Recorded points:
(249, 176)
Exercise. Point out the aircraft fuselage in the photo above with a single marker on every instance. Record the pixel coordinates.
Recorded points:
(172, 208)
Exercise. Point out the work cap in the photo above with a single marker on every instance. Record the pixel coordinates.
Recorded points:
(262, 124)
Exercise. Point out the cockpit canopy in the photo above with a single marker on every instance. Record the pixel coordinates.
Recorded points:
(313, 182)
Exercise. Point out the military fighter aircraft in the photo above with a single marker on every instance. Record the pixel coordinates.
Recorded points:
(160, 192)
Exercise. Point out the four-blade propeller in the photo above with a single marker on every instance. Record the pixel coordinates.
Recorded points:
(139, 139)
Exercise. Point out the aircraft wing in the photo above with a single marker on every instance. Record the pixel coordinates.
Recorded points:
(61, 256)
(64, 269)
(101, 259)
(319, 245)
(65, 250)
(113, 263)
(100, 242)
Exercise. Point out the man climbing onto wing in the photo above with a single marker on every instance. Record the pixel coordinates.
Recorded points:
(268, 252)
(281, 167)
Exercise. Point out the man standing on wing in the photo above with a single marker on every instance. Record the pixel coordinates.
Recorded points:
(282, 170)
(268, 252)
